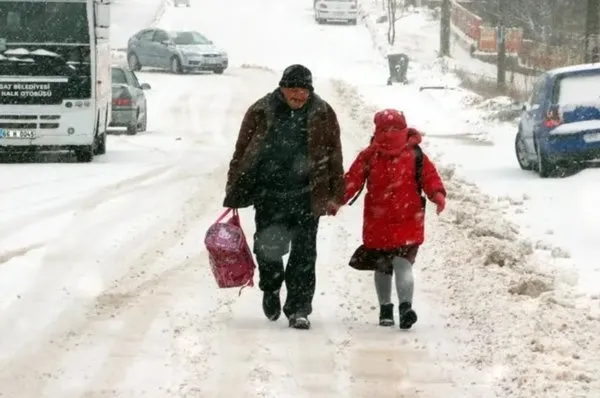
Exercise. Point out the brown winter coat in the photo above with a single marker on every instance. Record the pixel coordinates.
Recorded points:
(325, 155)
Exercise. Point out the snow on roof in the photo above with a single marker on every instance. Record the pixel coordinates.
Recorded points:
(576, 127)
(574, 68)
(17, 52)
(43, 52)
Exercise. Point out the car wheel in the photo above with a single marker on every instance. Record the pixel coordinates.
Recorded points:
(219, 71)
(353, 22)
(132, 129)
(144, 123)
(133, 62)
(101, 144)
(521, 153)
(84, 154)
(176, 65)
(545, 167)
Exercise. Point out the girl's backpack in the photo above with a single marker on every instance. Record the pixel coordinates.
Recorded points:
(418, 173)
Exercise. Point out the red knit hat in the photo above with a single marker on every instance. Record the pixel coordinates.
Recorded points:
(389, 119)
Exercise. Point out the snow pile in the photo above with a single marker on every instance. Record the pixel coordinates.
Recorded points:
(523, 325)
(502, 108)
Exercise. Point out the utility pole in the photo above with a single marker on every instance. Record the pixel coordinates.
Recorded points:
(391, 4)
(592, 26)
(501, 46)
(446, 15)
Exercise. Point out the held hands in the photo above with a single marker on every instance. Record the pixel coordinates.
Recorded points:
(332, 208)
(440, 200)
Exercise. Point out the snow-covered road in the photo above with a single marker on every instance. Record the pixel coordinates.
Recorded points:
(104, 281)
(106, 291)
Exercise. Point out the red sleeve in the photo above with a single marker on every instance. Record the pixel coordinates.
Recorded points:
(432, 182)
(355, 177)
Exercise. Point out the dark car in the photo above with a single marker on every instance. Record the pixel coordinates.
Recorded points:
(561, 121)
(129, 106)
(177, 51)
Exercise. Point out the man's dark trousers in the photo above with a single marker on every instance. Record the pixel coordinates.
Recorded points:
(278, 224)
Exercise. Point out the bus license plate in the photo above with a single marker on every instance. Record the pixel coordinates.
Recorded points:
(17, 134)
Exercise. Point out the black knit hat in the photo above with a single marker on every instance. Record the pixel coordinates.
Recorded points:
(296, 76)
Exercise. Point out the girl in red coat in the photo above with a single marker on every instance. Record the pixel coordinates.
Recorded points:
(395, 170)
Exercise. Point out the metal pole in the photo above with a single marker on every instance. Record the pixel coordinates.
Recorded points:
(446, 14)
(501, 41)
(592, 25)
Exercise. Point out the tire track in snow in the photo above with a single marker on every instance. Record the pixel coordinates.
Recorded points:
(20, 252)
(69, 334)
(62, 335)
(147, 299)
(83, 224)
(84, 326)
(88, 202)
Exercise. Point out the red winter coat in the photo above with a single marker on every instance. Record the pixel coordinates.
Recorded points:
(393, 215)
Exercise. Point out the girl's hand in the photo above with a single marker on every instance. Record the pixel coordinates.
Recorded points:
(440, 200)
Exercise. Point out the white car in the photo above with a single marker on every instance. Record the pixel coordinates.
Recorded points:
(336, 10)
(178, 3)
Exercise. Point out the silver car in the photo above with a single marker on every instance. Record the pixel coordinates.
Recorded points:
(177, 51)
(129, 105)
(178, 3)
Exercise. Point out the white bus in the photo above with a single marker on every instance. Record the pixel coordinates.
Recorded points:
(55, 76)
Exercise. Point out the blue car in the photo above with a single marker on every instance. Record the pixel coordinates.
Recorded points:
(560, 123)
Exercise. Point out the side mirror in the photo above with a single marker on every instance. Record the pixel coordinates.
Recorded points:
(146, 86)
(165, 42)
(524, 108)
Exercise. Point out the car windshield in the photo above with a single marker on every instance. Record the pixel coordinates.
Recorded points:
(118, 76)
(48, 22)
(189, 38)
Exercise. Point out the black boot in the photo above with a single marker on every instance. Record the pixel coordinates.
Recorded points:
(386, 315)
(271, 305)
(408, 316)
(299, 321)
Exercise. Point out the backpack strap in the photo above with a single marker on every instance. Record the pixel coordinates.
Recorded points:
(419, 173)
(366, 175)
(362, 187)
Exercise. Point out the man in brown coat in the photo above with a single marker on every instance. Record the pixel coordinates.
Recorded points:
(287, 163)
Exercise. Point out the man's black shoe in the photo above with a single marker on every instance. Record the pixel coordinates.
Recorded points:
(271, 305)
(299, 321)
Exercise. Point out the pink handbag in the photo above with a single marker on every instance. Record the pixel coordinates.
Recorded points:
(230, 257)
